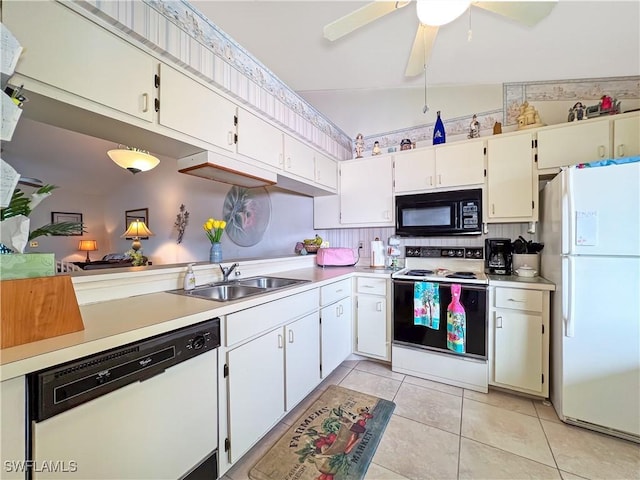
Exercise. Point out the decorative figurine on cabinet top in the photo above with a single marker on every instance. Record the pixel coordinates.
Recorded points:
(405, 144)
(376, 148)
(474, 127)
(497, 128)
(576, 113)
(359, 145)
(607, 106)
(529, 117)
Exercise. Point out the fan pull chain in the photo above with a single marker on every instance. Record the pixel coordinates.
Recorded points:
(425, 109)
(470, 33)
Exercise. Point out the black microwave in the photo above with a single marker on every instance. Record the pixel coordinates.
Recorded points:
(457, 212)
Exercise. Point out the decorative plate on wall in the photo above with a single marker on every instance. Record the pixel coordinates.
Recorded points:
(247, 212)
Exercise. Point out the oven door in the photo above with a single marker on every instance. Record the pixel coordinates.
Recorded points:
(406, 332)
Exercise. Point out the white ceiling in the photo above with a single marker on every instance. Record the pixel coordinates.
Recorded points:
(577, 40)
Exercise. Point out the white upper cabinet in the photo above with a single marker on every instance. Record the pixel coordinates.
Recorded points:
(443, 166)
(366, 194)
(511, 195)
(326, 171)
(64, 50)
(460, 164)
(259, 140)
(626, 136)
(298, 158)
(204, 114)
(415, 170)
(573, 143)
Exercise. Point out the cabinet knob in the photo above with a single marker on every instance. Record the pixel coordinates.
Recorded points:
(498, 322)
(290, 336)
(379, 306)
(230, 137)
(431, 180)
(601, 151)
(439, 179)
(280, 341)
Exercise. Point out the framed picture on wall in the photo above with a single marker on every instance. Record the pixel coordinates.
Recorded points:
(141, 214)
(59, 217)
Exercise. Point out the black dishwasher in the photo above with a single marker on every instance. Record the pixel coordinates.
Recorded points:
(143, 410)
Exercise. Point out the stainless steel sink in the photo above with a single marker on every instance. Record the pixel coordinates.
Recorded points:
(270, 282)
(238, 289)
(223, 293)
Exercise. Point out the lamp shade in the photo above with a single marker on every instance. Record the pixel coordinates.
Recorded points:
(88, 246)
(133, 159)
(137, 229)
(440, 12)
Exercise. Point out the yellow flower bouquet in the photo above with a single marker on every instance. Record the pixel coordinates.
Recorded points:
(214, 228)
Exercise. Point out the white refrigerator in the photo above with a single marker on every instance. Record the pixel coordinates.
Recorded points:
(590, 226)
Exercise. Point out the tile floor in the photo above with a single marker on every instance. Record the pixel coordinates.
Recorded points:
(442, 432)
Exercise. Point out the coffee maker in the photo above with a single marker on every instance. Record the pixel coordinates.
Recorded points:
(497, 256)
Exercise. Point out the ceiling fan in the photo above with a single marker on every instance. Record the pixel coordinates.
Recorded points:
(432, 14)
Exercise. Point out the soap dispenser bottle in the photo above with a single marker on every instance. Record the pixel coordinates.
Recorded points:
(189, 278)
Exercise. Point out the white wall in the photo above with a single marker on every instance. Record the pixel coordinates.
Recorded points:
(162, 190)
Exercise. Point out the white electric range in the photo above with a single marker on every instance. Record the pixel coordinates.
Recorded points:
(423, 350)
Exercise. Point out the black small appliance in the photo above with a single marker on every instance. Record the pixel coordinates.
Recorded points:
(497, 256)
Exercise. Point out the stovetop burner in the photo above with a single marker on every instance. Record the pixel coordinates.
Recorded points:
(462, 275)
(419, 273)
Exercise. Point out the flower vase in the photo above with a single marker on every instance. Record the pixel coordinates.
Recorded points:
(215, 254)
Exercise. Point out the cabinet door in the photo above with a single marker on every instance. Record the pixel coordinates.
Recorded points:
(259, 140)
(372, 325)
(336, 344)
(326, 212)
(626, 136)
(518, 349)
(584, 141)
(460, 164)
(414, 170)
(510, 190)
(326, 171)
(191, 108)
(12, 425)
(256, 389)
(298, 158)
(302, 358)
(69, 52)
(366, 194)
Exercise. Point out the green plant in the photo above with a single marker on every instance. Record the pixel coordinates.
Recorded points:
(22, 205)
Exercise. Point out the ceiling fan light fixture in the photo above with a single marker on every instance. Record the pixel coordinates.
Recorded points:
(440, 12)
(133, 159)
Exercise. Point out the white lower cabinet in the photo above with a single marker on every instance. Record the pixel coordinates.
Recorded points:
(335, 324)
(12, 427)
(519, 340)
(273, 362)
(372, 325)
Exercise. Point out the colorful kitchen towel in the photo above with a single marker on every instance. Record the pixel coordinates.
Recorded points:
(426, 305)
(456, 321)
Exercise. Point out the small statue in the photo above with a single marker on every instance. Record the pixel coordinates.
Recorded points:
(577, 112)
(497, 128)
(528, 117)
(405, 144)
(376, 148)
(359, 145)
(474, 127)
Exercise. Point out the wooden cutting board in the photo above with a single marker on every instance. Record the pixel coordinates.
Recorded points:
(33, 309)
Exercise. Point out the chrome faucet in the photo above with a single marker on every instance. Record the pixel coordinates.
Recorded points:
(227, 271)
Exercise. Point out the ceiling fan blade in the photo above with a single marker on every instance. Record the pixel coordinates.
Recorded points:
(528, 13)
(359, 18)
(421, 50)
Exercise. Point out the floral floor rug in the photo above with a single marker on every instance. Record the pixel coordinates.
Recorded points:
(335, 439)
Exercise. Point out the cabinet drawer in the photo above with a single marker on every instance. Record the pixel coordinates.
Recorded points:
(519, 299)
(374, 286)
(250, 322)
(335, 291)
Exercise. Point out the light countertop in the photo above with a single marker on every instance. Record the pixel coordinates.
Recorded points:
(112, 323)
(534, 283)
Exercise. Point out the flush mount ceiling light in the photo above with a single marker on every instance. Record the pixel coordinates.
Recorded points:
(133, 159)
(436, 13)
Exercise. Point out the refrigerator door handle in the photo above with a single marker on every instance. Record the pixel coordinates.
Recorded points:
(568, 297)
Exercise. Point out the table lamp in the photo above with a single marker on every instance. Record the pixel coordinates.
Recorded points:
(88, 246)
(137, 229)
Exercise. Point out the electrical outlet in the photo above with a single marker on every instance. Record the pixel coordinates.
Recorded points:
(33, 243)
(360, 244)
